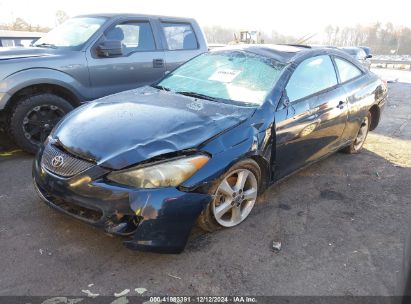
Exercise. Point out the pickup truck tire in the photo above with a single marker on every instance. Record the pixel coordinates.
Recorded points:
(33, 118)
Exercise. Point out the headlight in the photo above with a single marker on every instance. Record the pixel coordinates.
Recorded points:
(165, 174)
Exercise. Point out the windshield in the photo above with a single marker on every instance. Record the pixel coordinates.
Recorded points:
(73, 33)
(236, 76)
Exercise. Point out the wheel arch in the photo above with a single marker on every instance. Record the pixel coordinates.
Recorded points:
(39, 88)
(264, 169)
(375, 116)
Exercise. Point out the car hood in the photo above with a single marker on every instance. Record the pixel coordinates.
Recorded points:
(133, 126)
(24, 52)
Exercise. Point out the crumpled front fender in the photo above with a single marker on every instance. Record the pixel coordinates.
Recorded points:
(168, 215)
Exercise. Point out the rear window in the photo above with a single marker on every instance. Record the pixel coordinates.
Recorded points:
(179, 36)
(346, 70)
(361, 54)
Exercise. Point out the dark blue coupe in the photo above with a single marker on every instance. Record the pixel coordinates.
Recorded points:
(202, 143)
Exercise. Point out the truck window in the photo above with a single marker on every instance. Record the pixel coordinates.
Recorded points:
(7, 42)
(179, 36)
(134, 36)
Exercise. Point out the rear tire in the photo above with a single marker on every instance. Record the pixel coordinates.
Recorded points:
(357, 145)
(33, 118)
(248, 168)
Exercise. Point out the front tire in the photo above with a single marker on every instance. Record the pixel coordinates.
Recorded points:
(235, 194)
(357, 145)
(33, 118)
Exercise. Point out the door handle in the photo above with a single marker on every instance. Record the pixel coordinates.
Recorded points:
(310, 112)
(158, 63)
(341, 105)
(313, 111)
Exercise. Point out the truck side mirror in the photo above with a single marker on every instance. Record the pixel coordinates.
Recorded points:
(368, 56)
(110, 48)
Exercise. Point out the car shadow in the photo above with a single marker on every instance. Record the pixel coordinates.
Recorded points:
(7, 147)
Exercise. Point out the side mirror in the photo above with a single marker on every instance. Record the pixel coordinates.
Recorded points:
(110, 48)
(368, 56)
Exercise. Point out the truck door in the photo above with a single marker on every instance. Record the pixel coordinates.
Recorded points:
(180, 42)
(141, 62)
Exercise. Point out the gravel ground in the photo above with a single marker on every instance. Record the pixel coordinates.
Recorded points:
(342, 223)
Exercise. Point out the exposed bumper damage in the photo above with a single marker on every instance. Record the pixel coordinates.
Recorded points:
(150, 219)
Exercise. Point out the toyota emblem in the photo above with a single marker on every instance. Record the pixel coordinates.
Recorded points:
(57, 161)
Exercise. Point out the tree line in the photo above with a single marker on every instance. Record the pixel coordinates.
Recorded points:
(19, 24)
(224, 35)
(381, 38)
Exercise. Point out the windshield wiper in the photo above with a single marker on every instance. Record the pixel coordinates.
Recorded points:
(47, 45)
(198, 95)
(160, 87)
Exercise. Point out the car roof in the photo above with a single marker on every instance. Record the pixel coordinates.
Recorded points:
(353, 50)
(350, 48)
(282, 52)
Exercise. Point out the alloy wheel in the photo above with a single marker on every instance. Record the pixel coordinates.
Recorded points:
(235, 198)
(39, 121)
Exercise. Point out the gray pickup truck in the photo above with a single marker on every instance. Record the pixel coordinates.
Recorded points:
(85, 58)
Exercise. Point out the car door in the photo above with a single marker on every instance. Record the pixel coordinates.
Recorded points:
(181, 43)
(310, 122)
(356, 85)
(141, 62)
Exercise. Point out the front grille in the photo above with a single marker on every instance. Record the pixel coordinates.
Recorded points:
(62, 163)
(84, 213)
(87, 214)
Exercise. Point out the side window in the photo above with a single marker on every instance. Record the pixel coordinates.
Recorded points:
(361, 54)
(311, 76)
(7, 42)
(179, 36)
(134, 36)
(346, 70)
(25, 42)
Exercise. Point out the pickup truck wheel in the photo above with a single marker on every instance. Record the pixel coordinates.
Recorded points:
(358, 143)
(33, 118)
(235, 194)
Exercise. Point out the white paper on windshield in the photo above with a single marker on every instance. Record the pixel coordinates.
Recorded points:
(224, 75)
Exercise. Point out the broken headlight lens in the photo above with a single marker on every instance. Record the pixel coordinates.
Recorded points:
(165, 174)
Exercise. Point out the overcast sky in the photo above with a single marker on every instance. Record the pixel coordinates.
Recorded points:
(287, 17)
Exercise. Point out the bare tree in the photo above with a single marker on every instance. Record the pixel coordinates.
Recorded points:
(382, 39)
(20, 24)
(61, 16)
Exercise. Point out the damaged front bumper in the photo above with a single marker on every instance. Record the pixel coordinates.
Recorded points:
(151, 219)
